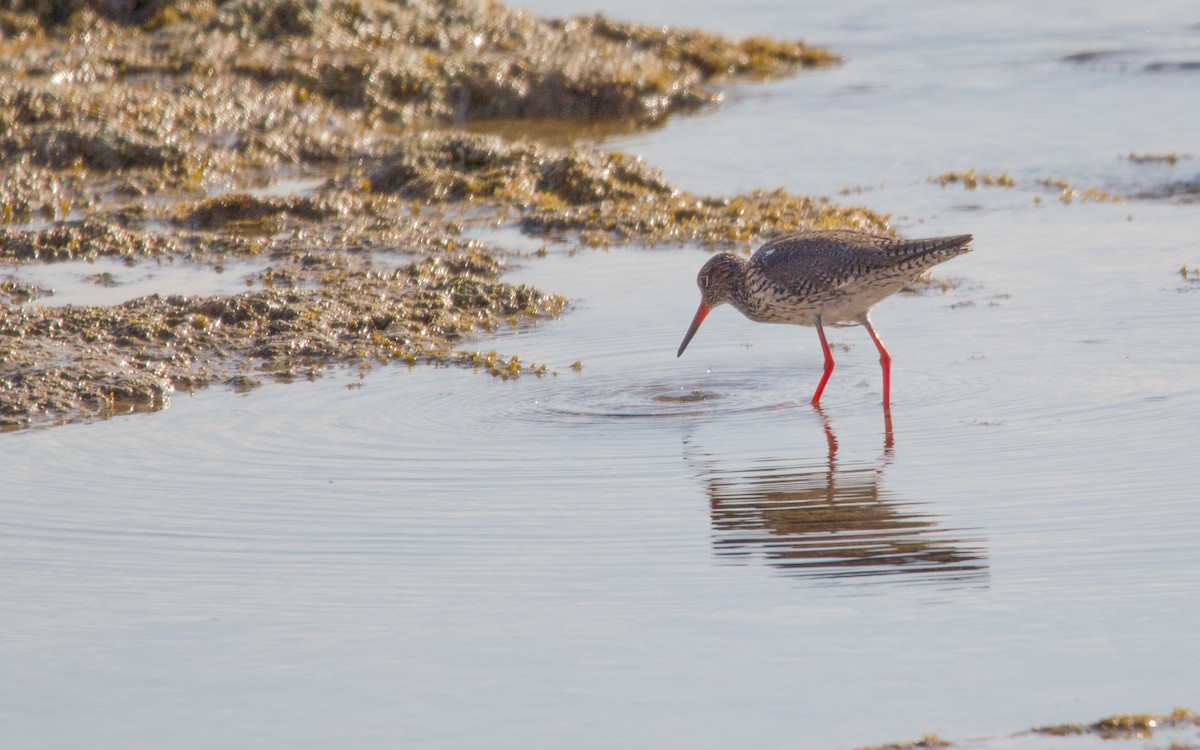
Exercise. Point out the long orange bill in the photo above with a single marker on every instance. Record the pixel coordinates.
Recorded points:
(696, 321)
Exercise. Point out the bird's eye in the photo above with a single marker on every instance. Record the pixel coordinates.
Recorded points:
(704, 281)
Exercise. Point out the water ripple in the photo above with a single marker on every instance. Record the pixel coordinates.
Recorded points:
(610, 397)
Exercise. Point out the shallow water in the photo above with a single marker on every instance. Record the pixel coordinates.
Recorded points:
(661, 551)
(109, 281)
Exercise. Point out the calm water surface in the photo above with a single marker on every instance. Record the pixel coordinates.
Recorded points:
(654, 551)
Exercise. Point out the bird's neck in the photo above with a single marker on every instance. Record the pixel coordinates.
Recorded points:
(739, 292)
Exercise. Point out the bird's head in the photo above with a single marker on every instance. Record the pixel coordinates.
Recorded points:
(719, 279)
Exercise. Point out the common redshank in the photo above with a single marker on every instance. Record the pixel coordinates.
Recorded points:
(817, 279)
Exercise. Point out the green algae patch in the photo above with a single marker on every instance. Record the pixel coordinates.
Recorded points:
(712, 54)
(1124, 726)
(1063, 190)
(970, 180)
(425, 59)
(1170, 158)
(16, 292)
(1190, 275)
(506, 369)
(930, 740)
(596, 197)
(81, 240)
(462, 167)
(246, 211)
(683, 217)
(94, 361)
(1068, 193)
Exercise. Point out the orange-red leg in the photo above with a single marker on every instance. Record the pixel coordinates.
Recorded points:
(828, 362)
(885, 359)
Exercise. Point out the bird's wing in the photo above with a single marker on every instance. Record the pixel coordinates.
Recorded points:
(805, 263)
(828, 260)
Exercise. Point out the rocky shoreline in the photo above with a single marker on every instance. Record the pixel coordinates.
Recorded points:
(156, 130)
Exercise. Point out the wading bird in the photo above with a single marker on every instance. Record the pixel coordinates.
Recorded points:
(817, 279)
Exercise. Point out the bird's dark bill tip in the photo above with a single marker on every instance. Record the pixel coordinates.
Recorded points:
(701, 313)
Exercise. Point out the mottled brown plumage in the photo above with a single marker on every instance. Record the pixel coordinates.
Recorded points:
(820, 278)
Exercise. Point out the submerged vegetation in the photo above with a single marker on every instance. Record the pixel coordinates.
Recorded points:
(1125, 726)
(1120, 727)
(175, 131)
(1065, 191)
(930, 740)
(1172, 158)
(970, 180)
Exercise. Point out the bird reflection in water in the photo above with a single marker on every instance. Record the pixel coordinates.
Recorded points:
(835, 523)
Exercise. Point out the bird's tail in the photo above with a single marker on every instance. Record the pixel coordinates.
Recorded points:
(921, 254)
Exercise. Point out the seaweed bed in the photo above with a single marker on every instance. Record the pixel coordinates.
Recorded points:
(170, 130)
(1112, 728)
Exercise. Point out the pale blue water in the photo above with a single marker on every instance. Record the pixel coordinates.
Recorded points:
(680, 552)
